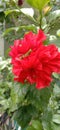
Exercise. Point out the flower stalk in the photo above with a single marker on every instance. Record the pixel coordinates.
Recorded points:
(40, 24)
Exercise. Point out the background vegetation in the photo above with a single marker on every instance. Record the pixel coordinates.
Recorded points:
(30, 108)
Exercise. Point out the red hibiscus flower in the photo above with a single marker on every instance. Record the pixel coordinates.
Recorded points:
(34, 62)
(30, 42)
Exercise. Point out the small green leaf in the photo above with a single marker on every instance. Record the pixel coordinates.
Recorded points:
(56, 90)
(58, 32)
(4, 103)
(10, 30)
(7, 12)
(38, 4)
(56, 119)
(53, 15)
(56, 75)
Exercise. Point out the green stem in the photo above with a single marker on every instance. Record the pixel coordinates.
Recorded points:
(40, 20)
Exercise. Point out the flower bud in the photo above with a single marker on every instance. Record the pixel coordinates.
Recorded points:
(20, 2)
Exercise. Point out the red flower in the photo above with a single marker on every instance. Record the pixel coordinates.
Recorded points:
(30, 42)
(34, 62)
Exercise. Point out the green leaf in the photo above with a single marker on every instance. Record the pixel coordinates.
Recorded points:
(58, 32)
(16, 96)
(55, 126)
(53, 15)
(24, 114)
(56, 119)
(56, 75)
(7, 12)
(30, 128)
(38, 4)
(4, 103)
(46, 120)
(4, 63)
(2, 17)
(27, 11)
(28, 27)
(37, 125)
(56, 90)
(10, 30)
